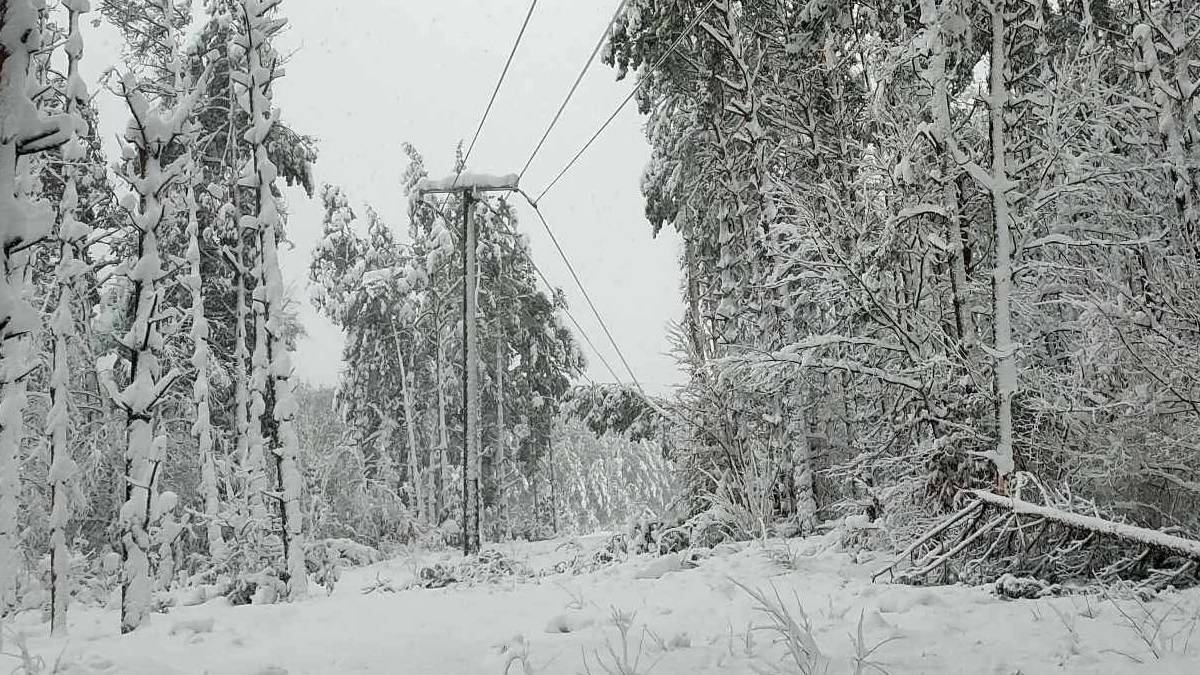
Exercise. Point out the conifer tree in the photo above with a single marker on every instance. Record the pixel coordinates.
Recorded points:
(272, 403)
(202, 427)
(24, 222)
(153, 168)
(72, 239)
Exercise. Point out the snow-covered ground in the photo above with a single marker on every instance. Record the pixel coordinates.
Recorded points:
(686, 621)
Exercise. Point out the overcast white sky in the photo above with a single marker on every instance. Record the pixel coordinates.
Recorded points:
(368, 75)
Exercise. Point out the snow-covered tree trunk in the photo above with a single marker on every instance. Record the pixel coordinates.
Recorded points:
(258, 428)
(62, 466)
(803, 474)
(1002, 216)
(273, 404)
(249, 432)
(695, 319)
(247, 444)
(944, 131)
(166, 535)
(201, 392)
(410, 426)
(283, 443)
(500, 460)
(72, 235)
(1172, 87)
(443, 458)
(23, 131)
(553, 489)
(143, 341)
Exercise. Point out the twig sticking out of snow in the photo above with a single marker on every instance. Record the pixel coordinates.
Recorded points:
(793, 631)
(627, 661)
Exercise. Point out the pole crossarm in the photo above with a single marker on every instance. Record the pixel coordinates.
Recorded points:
(469, 182)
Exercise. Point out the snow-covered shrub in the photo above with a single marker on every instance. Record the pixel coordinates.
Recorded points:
(96, 577)
(860, 532)
(352, 552)
(614, 550)
(708, 528)
(488, 566)
(1020, 588)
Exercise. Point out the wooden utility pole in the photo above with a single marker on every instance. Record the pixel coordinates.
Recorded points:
(469, 187)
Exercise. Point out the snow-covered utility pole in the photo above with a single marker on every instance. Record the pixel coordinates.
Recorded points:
(469, 187)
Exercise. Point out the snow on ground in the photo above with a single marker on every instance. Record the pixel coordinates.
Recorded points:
(687, 621)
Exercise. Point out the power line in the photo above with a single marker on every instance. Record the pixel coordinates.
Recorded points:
(492, 101)
(582, 289)
(649, 400)
(550, 287)
(674, 46)
(574, 87)
(495, 92)
(587, 338)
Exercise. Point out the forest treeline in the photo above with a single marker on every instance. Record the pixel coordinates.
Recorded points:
(929, 245)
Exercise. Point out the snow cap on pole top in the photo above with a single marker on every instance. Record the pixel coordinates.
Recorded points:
(469, 181)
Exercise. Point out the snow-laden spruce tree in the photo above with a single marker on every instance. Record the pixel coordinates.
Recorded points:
(272, 399)
(229, 274)
(153, 167)
(433, 243)
(23, 223)
(72, 240)
(711, 122)
(202, 427)
(376, 289)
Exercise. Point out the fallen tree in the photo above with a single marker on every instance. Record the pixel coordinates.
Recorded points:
(991, 536)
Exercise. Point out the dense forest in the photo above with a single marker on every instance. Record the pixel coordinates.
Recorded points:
(940, 275)
(943, 245)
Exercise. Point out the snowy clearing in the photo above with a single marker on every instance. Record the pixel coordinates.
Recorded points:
(686, 621)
